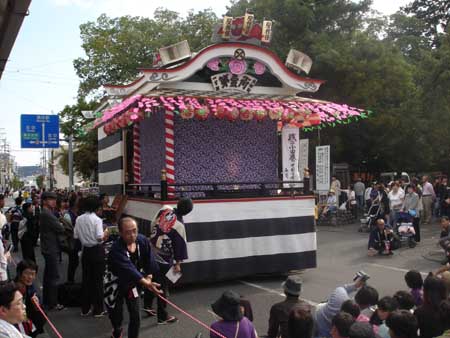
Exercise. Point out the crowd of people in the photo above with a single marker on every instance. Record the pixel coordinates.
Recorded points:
(394, 210)
(118, 265)
(422, 311)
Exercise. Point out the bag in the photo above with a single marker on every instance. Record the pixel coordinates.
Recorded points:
(69, 294)
(22, 227)
(14, 214)
(412, 212)
(6, 231)
(66, 240)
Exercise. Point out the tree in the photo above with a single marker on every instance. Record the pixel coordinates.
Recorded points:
(298, 24)
(16, 183)
(406, 32)
(396, 67)
(40, 181)
(117, 47)
(435, 13)
(85, 140)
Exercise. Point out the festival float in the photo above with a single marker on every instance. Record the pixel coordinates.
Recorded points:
(221, 126)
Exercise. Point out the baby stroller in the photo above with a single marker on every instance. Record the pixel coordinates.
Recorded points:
(405, 229)
(369, 219)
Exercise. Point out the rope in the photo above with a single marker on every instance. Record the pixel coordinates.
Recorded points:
(198, 321)
(38, 306)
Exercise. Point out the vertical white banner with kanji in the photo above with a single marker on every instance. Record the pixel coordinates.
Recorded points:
(323, 168)
(290, 142)
(303, 160)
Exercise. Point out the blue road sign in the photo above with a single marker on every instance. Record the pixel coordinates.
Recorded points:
(39, 131)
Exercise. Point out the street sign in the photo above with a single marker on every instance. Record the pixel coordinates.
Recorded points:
(39, 131)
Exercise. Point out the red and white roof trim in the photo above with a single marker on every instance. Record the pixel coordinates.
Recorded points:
(186, 70)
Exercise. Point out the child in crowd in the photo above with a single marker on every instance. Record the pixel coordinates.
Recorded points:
(405, 301)
(350, 307)
(414, 281)
(386, 306)
(402, 324)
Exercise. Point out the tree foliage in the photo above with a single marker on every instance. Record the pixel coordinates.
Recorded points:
(116, 47)
(434, 13)
(85, 141)
(396, 66)
(40, 181)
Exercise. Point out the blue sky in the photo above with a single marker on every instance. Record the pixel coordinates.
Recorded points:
(39, 77)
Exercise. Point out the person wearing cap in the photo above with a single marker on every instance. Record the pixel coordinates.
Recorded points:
(326, 311)
(168, 238)
(50, 230)
(232, 323)
(331, 205)
(279, 312)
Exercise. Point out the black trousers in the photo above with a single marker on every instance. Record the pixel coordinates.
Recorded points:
(116, 314)
(93, 269)
(50, 282)
(27, 245)
(149, 296)
(73, 261)
(416, 225)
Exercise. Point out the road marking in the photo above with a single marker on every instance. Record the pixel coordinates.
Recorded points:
(393, 268)
(273, 291)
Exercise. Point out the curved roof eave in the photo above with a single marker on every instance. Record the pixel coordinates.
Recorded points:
(189, 68)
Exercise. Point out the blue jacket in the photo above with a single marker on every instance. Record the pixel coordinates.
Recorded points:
(326, 311)
(120, 264)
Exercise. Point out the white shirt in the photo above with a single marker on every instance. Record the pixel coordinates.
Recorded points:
(3, 220)
(367, 193)
(89, 229)
(7, 330)
(396, 199)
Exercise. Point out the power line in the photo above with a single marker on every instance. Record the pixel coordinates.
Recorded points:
(37, 74)
(45, 64)
(51, 83)
(27, 99)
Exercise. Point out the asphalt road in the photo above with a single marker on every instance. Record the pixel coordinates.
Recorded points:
(341, 252)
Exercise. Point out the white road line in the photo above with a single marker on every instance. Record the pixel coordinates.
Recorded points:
(273, 291)
(393, 268)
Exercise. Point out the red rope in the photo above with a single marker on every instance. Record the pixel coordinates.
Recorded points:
(46, 318)
(198, 321)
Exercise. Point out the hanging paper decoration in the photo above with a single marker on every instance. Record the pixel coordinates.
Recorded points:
(260, 115)
(114, 127)
(288, 116)
(299, 115)
(303, 114)
(107, 128)
(232, 114)
(275, 113)
(122, 121)
(202, 113)
(246, 114)
(220, 112)
(187, 112)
